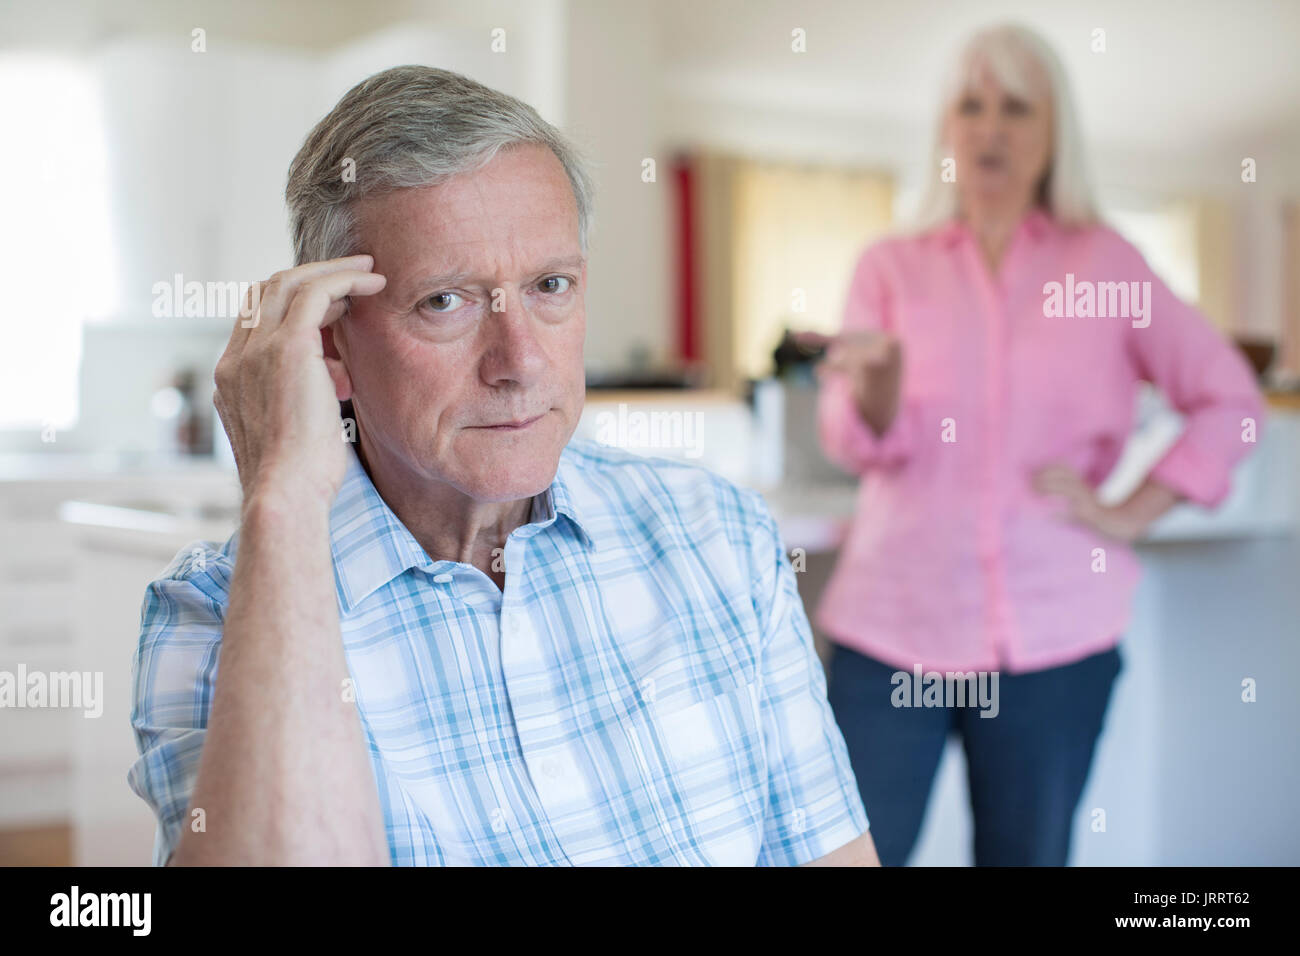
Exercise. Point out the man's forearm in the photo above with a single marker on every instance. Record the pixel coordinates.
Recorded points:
(284, 777)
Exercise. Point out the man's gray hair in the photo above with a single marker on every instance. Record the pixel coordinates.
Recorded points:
(407, 127)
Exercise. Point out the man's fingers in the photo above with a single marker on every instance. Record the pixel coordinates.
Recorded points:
(278, 291)
(314, 303)
(337, 309)
(282, 288)
(265, 303)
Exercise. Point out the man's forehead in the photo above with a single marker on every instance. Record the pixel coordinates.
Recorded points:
(520, 180)
(454, 270)
(469, 243)
(503, 216)
(424, 257)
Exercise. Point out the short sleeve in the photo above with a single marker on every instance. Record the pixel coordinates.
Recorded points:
(846, 439)
(173, 676)
(813, 804)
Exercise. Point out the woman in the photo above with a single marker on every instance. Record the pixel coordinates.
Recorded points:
(982, 411)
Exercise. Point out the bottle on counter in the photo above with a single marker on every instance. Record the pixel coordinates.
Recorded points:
(178, 426)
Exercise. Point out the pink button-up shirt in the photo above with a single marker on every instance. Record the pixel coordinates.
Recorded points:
(953, 561)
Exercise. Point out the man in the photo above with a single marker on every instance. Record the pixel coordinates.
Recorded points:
(465, 640)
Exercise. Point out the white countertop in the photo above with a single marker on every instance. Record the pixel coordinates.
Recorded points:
(94, 466)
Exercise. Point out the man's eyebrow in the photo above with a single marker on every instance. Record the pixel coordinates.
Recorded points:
(460, 275)
(563, 262)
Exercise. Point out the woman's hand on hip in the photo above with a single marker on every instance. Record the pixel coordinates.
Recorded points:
(1082, 506)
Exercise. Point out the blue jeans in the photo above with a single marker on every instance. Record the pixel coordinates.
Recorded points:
(1027, 766)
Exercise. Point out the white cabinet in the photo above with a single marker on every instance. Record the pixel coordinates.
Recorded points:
(72, 581)
(37, 633)
(114, 563)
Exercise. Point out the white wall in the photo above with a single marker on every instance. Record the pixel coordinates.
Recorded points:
(615, 114)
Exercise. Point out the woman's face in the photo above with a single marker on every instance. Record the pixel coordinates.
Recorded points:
(1002, 144)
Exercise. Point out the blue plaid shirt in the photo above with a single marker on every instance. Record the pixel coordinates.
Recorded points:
(645, 690)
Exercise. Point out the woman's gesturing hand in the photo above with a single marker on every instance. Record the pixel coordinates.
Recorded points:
(873, 362)
(276, 393)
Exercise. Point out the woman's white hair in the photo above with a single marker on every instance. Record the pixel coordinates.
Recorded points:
(1019, 59)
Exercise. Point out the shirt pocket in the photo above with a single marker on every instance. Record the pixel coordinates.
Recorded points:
(698, 731)
(705, 763)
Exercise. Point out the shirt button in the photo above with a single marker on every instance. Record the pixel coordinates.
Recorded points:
(551, 767)
(443, 578)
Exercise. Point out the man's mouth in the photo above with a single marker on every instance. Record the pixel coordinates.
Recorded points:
(513, 426)
(990, 162)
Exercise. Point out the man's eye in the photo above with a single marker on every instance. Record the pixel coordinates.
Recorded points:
(443, 302)
(555, 284)
(968, 106)
(1016, 107)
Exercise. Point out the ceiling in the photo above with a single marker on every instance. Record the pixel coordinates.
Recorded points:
(1176, 74)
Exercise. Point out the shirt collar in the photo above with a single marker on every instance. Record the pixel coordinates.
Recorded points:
(950, 232)
(561, 498)
(371, 546)
(1036, 224)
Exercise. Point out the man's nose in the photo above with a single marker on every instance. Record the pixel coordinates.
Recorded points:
(512, 349)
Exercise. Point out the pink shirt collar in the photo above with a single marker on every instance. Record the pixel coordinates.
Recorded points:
(1036, 224)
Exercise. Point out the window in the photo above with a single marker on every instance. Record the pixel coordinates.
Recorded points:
(777, 247)
(798, 233)
(55, 242)
(1166, 235)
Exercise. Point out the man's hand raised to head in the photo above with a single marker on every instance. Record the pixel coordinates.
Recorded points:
(276, 392)
(285, 776)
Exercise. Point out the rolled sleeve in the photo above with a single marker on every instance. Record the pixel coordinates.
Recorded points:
(173, 677)
(847, 440)
(1195, 472)
(1207, 380)
(813, 805)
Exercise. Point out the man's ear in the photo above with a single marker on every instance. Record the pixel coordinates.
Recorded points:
(336, 363)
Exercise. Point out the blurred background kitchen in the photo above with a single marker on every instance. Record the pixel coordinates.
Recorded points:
(145, 146)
